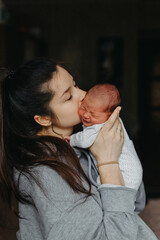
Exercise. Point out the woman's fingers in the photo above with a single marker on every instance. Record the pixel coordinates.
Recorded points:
(119, 127)
(122, 133)
(113, 120)
(116, 125)
(114, 115)
(119, 132)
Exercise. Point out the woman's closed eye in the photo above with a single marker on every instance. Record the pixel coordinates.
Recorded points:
(68, 99)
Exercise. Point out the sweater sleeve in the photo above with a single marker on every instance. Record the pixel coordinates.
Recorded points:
(119, 218)
(60, 213)
(140, 199)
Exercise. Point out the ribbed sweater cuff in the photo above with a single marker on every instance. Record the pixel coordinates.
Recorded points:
(120, 199)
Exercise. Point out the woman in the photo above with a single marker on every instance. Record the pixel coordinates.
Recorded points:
(57, 192)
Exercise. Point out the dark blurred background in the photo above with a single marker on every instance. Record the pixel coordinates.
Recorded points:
(115, 41)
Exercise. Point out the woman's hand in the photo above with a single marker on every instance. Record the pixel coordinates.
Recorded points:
(107, 148)
(108, 144)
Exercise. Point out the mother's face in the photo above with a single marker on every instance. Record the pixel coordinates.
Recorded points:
(66, 101)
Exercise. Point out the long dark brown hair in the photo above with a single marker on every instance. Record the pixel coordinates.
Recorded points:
(23, 97)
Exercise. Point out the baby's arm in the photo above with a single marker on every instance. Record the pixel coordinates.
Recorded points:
(130, 164)
(85, 138)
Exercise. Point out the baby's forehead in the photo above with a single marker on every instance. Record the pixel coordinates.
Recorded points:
(93, 103)
(90, 98)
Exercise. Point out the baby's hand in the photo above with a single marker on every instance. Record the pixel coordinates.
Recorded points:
(67, 138)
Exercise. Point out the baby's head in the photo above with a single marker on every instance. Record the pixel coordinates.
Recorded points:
(98, 104)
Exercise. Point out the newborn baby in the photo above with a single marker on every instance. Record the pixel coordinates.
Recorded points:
(98, 104)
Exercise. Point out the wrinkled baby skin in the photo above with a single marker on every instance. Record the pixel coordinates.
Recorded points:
(98, 104)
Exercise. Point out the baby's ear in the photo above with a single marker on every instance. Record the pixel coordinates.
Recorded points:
(44, 121)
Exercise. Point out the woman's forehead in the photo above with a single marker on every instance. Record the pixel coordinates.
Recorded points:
(61, 81)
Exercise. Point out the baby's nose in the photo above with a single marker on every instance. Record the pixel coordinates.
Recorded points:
(86, 115)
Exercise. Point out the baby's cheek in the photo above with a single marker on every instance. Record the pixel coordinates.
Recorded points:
(93, 120)
(80, 112)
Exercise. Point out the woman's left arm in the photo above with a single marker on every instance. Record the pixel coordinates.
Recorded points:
(65, 214)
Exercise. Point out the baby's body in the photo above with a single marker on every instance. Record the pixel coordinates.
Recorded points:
(94, 111)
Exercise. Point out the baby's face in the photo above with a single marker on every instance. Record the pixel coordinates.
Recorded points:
(92, 112)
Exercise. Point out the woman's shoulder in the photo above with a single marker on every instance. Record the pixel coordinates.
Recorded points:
(40, 173)
(44, 180)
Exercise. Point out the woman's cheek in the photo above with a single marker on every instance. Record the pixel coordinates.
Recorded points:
(80, 112)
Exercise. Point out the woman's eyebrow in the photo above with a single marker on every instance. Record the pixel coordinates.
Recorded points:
(65, 91)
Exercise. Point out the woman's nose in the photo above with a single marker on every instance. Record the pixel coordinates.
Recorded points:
(82, 94)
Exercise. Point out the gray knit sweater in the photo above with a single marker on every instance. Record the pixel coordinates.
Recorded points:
(59, 213)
